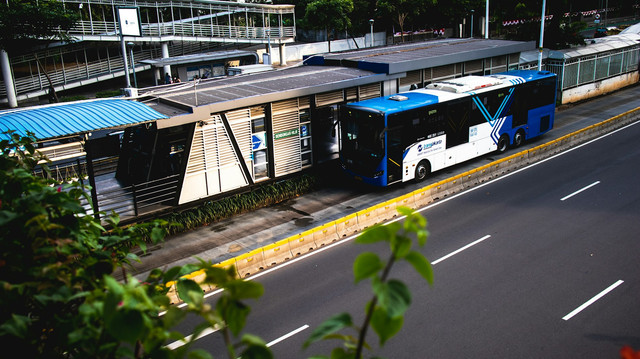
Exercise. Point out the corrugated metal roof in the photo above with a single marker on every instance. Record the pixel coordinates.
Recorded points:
(60, 120)
(415, 56)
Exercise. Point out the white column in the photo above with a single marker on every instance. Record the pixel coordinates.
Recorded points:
(165, 55)
(8, 79)
(283, 55)
(486, 21)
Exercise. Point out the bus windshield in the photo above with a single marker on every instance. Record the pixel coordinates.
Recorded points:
(362, 145)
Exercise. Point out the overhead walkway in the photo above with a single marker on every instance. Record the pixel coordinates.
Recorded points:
(169, 29)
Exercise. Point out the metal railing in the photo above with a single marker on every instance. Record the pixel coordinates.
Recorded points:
(136, 199)
(188, 30)
(589, 69)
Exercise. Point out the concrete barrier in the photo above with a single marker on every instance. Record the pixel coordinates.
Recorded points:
(347, 226)
(367, 218)
(250, 263)
(406, 200)
(325, 234)
(277, 253)
(302, 243)
(483, 173)
(422, 197)
(173, 293)
(386, 210)
(456, 184)
(439, 190)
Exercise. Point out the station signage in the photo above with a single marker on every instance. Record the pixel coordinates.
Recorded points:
(285, 134)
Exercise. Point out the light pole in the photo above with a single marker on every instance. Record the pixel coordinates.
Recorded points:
(472, 11)
(371, 23)
(486, 21)
(544, 5)
(133, 68)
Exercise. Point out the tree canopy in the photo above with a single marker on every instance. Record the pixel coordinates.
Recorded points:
(26, 23)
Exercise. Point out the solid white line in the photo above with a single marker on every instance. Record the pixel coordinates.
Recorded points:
(592, 300)
(274, 342)
(179, 343)
(460, 250)
(580, 190)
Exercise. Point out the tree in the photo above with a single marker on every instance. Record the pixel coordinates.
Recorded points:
(56, 286)
(27, 23)
(403, 10)
(329, 15)
(385, 311)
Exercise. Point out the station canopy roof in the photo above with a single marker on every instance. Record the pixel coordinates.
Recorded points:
(203, 57)
(233, 92)
(598, 46)
(408, 57)
(67, 119)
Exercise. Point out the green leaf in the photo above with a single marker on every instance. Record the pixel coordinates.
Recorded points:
(421, 265)
(329, 326)
(377, 233)
(257, 352)
(189, 291)
(256, 348)
(244, 289)
(235, 314)
(199, 354)
(126, 325)
(251, 339)
(384, 325)
(367, 264)
(341, 353)
(393, 296)
(400, 246)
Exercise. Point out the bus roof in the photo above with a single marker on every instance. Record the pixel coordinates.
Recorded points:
(448, 90)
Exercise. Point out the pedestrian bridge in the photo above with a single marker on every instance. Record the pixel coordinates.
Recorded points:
(169, 28)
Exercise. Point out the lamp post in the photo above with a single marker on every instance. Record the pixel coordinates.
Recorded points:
(472, 11)
(133, 68)
(371, 23)
(486, 21)
(544, 4)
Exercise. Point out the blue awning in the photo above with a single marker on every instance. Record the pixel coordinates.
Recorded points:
(48, 122)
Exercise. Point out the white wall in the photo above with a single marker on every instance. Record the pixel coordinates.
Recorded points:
(296, 52)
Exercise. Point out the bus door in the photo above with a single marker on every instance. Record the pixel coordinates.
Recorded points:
(395, 149)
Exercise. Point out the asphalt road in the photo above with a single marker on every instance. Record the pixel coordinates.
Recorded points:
(538, 245)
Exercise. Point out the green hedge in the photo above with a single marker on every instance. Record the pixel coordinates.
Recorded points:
(263, 196)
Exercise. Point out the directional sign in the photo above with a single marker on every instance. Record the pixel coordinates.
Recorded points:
(259, 141)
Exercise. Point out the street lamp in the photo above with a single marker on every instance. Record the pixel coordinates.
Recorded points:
(544, 4)
(472, 11)
(133, 68)
(371, 23)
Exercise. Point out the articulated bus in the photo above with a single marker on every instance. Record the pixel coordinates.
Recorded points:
(408, 135)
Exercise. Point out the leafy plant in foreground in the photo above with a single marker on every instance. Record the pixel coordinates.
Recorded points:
(391, 297)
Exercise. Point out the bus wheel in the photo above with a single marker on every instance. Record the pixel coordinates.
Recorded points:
(503, 143)
(518, 139)
(422, 170)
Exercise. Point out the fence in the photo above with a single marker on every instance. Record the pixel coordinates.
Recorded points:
(582, 70)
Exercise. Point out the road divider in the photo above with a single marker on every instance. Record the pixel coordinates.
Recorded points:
(309, 240)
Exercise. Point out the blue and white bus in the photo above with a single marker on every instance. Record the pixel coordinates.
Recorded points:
(408, 135)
